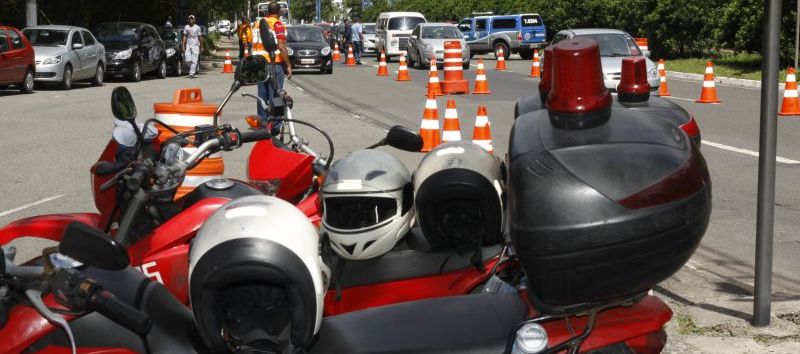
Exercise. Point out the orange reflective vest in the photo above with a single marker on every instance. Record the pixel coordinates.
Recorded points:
(245, 33)
(258, 47)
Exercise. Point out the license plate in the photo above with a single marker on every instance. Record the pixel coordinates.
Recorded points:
(306, 61)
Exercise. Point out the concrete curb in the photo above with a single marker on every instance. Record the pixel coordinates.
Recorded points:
(726, 81)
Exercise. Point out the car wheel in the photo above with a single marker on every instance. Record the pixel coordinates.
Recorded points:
(136, 72)
(162, 70)
(99, 73)
(27, 83)
(178, 69)
(526, 54)
(498, 46)
(66, 80)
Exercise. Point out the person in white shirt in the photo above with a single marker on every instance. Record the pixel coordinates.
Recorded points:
(192, 45)
(358, 39)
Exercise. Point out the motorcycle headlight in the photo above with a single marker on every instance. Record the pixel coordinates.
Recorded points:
(52, 60)
(289, 50)
(652, 73)
(170, 52)
(125, 54)
(326, 51)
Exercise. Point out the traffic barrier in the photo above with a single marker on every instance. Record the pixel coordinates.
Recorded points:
(186, 111)
(336, 54)
(536, 70)
(429, 129)
(402, 70)
(481, 84)
(228, 67)
(451, 131)
(434, 87)
(709, 92)
(482, 133)
(663, 89)
(501, 61)
(791, 104)
(382, 69)
(642, 43)
(453, 69)
(351, 59)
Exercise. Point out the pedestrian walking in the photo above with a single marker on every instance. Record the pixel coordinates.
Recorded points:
(192, 45)
(348, 32)
(265, 90)
(358, 39)
(245, 34)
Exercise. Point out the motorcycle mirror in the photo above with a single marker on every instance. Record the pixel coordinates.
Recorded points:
(122, 104)
(93, 247)
(252, 69)
(267, 37)
(402, 138)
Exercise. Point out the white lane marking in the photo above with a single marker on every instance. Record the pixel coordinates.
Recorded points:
(30, 205)
(678, 98)
(747, 152)
(299, 88)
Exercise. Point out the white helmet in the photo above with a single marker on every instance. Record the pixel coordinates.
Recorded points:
(367, 201)
(256, 280)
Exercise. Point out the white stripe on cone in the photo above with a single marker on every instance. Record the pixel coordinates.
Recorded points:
(790, 78)
(452, 68)
(434, 79)
(708, 84)
(184, 120)
(450, 113)
(430, 104)
(486, 144)
(480, 78)
(481, 121)
(451, 135)
(709, 70)
(663, 79)
(452, 51)
(402, 67)
(660, 66)
(790, 93)
(430, 124)
(453, 60)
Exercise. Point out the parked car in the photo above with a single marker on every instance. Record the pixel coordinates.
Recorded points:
(65, 54)
(308, 48)
(17, 65)
(512, 33)
(427, 41)
(174, 49)
(133, 49)
(224, 27)
(369, 38)
(393, 29)
(614, 46)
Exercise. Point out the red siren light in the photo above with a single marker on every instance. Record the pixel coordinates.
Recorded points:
(578, 98)
(547, 74)
(633, 86)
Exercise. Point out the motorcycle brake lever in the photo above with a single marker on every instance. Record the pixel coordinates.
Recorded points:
(35, 297)
(110, 183)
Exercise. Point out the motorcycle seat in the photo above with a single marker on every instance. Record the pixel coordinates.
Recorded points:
(480, 323)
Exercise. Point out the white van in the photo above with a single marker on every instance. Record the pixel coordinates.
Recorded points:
(393, 29)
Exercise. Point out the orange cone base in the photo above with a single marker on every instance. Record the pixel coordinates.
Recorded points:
(790, 107)
(401, 77)
(383, 72)
(455, 86)
(487, 92)
(430, 138)
(713, 101)
(664, 94)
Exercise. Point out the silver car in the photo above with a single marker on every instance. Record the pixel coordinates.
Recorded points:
(369, 38)
(65, 54)
(427, 40)
(614, 46)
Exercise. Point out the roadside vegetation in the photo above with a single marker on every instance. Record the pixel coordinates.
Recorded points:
(742, 65)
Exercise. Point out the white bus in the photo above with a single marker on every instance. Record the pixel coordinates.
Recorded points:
(261, 10)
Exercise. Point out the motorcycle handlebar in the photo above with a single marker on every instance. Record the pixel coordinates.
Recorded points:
(256, 135)
(126, 315)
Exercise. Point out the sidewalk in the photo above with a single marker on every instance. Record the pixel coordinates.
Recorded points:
(217, 58)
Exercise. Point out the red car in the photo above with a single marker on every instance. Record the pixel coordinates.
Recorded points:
(17, 64)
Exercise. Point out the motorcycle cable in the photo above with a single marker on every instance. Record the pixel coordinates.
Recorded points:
(327, 137)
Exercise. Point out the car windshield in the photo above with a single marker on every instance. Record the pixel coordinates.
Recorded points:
(369, 29)
(114, 32)
(439, 32)
(168, 34)
(615, 44)
(404, 23)
(46, 37)
(304, 34)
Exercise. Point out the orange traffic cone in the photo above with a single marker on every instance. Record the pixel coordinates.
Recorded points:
(429, 129)
(382, 69)
(402, 70)
(709, 92)
(336, 54)
(228, 67)
(481, 84)
(451, 130)
(501, 61)
(791, 104)
(482, 133)
(351, 59)
(536, 70)
(434, 88)
(663, 89)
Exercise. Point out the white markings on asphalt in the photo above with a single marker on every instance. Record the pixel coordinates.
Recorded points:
(747, 152)
(678, 98)
(30, 205)
(299, 88)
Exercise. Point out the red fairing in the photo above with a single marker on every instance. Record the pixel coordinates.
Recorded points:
(270, 163)
(45, 226)
(104, 200)
(310, 207)
(25, 326)
(439, 285)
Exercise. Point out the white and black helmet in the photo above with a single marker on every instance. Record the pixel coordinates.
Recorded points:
(256, 279)
(367, 204)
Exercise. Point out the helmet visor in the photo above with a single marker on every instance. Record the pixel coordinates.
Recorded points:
(356, 213)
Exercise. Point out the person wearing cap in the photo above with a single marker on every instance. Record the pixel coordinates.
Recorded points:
(357, 37)
(245, 34)
(192, 45)
(272, 20)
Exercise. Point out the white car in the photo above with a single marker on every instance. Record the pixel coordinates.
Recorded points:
(369, 38)
(224, 27)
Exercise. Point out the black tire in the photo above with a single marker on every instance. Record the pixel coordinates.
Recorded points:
(465, 66)
(504, 46)
(136, 72)
(526, 54)
(66, 80)
(99, 74)
(161, 71)
(177, 70)
(26, 86)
